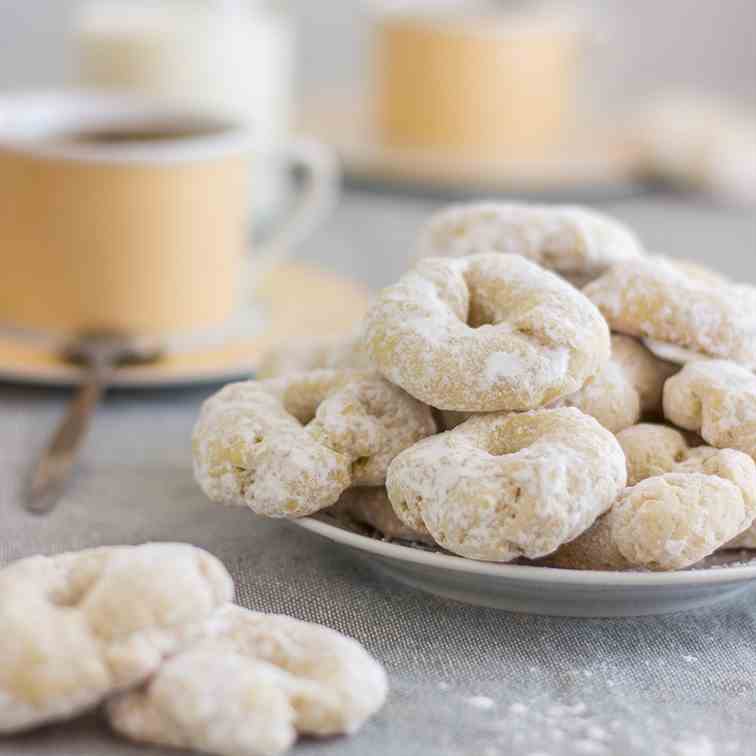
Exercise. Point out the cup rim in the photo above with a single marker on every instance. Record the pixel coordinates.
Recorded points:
(484, 20)
(26, 118)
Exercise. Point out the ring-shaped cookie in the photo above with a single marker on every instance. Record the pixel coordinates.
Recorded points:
(626, 388)
(717, 399)
(504, 486)
(485, 333)
(575, 242)
(371, 508)
(658, 299)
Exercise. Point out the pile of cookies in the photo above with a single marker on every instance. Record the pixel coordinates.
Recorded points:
(150, 631)
(536, 387)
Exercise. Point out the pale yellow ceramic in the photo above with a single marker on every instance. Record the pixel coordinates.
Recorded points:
(124, 214)
(494, 85)
(293, 303)
(131, 235)
(593, 164)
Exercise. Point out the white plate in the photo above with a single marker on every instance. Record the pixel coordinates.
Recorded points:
(545, 590)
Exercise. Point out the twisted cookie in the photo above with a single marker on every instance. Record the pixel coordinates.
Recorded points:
(289, 447)
(253, 684)
(79, 627)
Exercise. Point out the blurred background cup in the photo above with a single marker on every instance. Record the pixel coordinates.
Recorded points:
(231, 57)
(475, 79)
(121, 214)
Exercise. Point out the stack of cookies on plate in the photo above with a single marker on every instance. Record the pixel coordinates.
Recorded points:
(536, 387)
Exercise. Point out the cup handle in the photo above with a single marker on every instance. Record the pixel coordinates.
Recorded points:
(318, 195)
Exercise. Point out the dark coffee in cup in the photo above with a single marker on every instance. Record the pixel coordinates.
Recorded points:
(149, 131)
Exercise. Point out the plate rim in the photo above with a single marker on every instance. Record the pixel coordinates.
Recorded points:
(524, 572)
(70, 377)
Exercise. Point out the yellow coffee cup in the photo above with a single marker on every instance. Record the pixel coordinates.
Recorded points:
(496, 84)
(119, 214)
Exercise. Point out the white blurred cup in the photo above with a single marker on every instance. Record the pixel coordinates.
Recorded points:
(234, 58)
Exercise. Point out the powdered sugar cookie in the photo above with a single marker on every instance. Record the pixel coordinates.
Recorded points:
(289, 447)
(656, 449)
(627, 387)
(251, 687)
(682, 505)
(667, 522)
(78, 627)
(657, 299)
(746, 540)
(575, 242)
(371, 507)
(651, 449)
(502, 486)
(717, 399)
(301, 357)
(645, 371)
(485, 333)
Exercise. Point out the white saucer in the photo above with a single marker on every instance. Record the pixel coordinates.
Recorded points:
(295, 302)
(545, 590)
(597, 166)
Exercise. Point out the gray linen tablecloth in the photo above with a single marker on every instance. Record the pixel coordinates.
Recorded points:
(464, 681)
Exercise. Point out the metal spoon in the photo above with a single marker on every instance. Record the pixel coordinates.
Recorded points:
(100, 353)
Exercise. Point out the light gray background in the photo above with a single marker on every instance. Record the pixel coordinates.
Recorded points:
(651, 44)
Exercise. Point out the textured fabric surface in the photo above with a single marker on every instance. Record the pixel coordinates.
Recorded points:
(464, 681)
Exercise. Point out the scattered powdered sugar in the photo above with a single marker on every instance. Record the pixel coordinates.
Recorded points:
(501, 365)
(700, 746)
(542, 727)
(590, 747)
(481, 702)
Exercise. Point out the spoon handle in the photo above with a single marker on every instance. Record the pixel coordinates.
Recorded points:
(54, 468)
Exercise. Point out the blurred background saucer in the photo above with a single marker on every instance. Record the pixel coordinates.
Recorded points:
(596, 165)
(295, 301)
